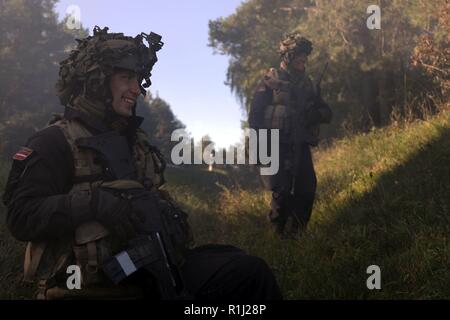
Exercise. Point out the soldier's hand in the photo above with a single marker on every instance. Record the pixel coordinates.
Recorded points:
(113, 209)
(313, 116)
(318, 113)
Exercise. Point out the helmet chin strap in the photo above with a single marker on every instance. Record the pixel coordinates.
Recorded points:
(113, 119)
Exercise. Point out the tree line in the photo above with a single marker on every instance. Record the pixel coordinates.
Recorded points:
(401, 68)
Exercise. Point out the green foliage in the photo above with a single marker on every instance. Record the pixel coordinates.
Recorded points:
(32, 43)
(250, 37)
(433, 50)
(382, 199)
(159, 122)
(369, 71)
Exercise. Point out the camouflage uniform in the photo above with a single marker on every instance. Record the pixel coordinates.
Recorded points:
(74, 205)
(287, 100)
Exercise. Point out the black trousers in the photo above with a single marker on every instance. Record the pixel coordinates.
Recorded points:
(222, 272)
(297, 205)
(210, 272)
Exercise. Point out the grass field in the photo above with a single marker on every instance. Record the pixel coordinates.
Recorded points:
(383, 199)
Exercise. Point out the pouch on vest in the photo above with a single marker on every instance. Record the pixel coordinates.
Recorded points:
(278, 117)
(91, 248)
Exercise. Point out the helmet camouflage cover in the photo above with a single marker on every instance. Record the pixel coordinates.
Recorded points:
(93, 61)
(294, 44)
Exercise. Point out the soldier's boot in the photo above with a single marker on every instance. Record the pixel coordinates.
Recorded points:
(296, 228)
(278, 219)
(279, 209)
(301, 213)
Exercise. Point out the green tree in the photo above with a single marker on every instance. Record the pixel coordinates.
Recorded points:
(250, 37)
(32, 43)
(369, 71)
(432, 53)
(159, 122)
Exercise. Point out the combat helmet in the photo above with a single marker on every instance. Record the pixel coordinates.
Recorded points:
(293, 44)
(88, 67)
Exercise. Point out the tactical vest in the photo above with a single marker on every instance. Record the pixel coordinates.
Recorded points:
(289, 105)
(91, 244)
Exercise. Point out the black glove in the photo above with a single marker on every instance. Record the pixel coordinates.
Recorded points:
(160, 213)
(113, 209)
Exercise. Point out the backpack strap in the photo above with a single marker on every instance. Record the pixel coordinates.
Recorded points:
(33, 256)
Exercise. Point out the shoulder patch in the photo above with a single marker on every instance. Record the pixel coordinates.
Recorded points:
(22, 154)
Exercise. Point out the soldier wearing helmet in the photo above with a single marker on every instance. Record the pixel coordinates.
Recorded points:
(287, 100)
(85, 191)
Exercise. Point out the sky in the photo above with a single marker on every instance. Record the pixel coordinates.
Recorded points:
(188, 75)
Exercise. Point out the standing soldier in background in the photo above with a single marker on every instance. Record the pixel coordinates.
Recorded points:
(86, 191)
(287, 100)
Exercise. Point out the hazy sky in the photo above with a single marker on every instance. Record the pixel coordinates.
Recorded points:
(187, 75)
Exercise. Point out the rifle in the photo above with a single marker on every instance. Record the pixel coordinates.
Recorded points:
(318, 88)
(149, 253)
(154, 249)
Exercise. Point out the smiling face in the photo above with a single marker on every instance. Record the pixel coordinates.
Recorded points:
(125, 89)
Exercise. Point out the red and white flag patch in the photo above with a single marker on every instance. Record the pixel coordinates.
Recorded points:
(22, 154)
